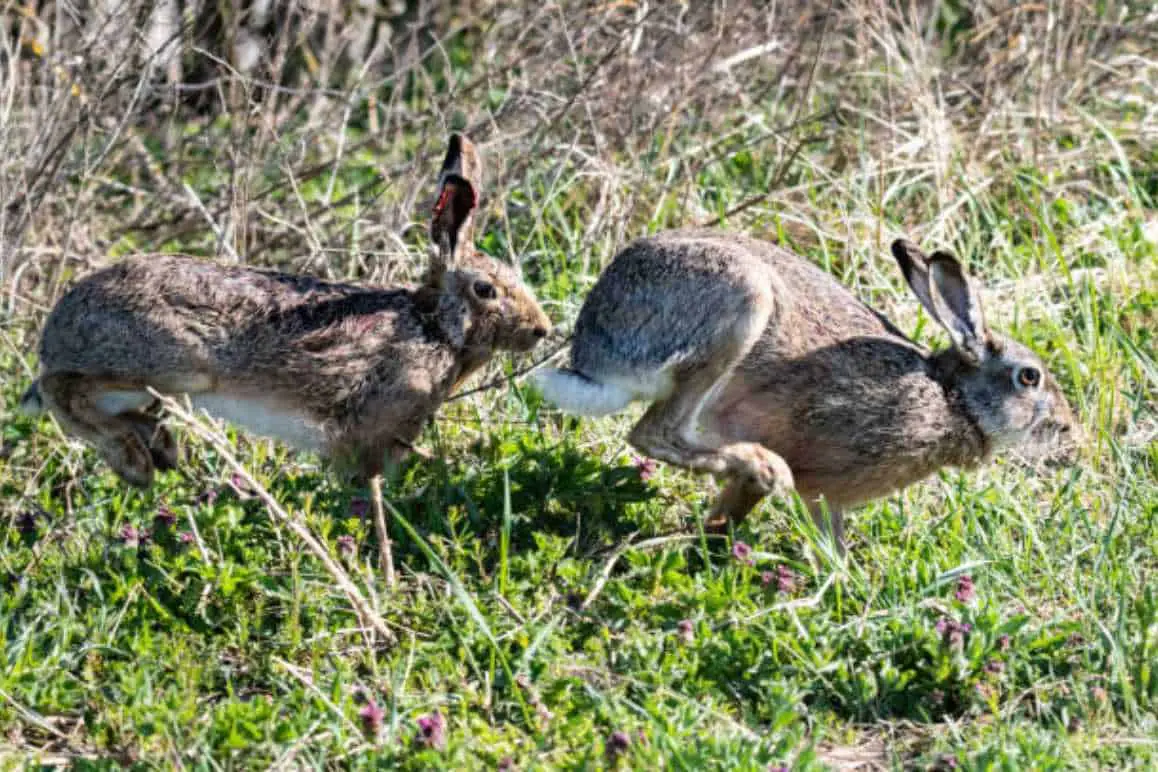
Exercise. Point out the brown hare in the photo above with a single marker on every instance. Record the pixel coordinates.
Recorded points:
(764, 370)
(352, 372)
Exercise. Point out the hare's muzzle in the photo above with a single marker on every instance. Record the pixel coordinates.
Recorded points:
(530, 337)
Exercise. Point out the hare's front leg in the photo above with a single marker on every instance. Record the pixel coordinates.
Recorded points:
(739, 497)
(832, 525)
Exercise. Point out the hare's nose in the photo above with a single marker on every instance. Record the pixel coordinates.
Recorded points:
(540, 332)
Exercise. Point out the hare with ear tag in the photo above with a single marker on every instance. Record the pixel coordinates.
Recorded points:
(764, 370)
(347, 370)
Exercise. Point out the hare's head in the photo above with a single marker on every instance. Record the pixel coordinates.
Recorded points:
(503, 313)
(1005, 387)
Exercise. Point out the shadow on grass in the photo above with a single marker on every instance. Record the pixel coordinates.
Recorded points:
(559, 490)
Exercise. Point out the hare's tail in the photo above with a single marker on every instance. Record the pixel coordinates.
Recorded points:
(575, 393)
(30, 402)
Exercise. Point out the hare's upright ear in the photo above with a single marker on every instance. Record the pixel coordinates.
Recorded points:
(915, 267)
(451, 223)
(944, 290)
(958, 306)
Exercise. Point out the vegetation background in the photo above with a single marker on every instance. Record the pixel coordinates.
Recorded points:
(559, 607)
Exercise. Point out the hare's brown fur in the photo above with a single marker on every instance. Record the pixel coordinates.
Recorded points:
(351, 371)
(762, 369)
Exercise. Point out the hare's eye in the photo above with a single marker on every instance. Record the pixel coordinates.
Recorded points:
(484, 290)
(1029, 377)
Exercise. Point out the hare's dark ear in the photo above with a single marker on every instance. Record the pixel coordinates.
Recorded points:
(452, 222)
(958, 306)
(915, 267)
(462, 159)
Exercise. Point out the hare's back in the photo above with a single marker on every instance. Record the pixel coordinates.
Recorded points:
(129, 318)
(151, 315)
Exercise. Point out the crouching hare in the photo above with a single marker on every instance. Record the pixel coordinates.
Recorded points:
(762, 369)
(346, 370)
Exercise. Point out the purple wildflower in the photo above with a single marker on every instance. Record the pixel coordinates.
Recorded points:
(371, 716)
(133, 537)
(359, 507)
(995, 667)
(346, 545)
(952, 632)
(432, 731)
(965, 590)
(785, 579)
(777, 768)
(209, 497)
(506, 764)
(742, 552)
(185, 537)
(1003, 643)
(240, 486)
(957, 636)
(165, 517)
(617, 744)
(645, 467)
(687, 630)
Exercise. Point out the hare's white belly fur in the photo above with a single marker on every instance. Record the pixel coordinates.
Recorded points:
(263, 417)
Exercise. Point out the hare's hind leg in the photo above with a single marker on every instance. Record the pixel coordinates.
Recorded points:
(72, 398)
(157, 438)
(670, 429)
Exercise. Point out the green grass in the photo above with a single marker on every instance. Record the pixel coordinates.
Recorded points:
(551, 597)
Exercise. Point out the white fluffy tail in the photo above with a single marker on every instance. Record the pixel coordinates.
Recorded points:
(30, 402)
(575, 393)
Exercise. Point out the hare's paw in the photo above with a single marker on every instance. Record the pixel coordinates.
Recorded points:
(158, 439)
(130, 458)
(164, 449)
(758, 467)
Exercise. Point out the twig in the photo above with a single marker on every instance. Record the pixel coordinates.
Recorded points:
(609, 566)
(305, 680)
(362, 607)
(32, 716)
(502, 381)
(222, 237)
(810, 602)
(385, 554)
